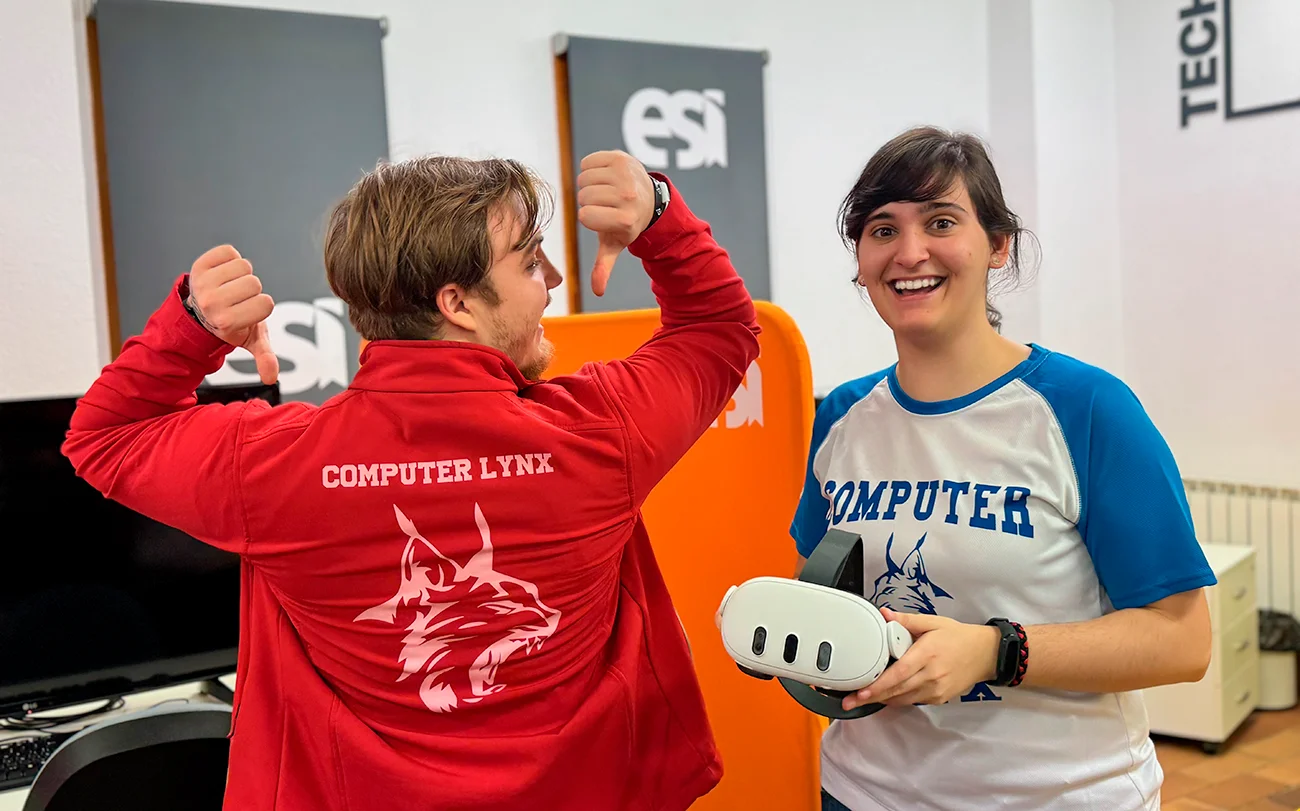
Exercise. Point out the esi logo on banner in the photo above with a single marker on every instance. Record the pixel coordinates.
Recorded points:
(1237, 59)
(655, 113)
(696, 114)
(310, 339)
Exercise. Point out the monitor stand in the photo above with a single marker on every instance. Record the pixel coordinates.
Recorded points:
(219, 691)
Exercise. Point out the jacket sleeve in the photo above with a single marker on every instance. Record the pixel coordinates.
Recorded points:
(677, 384)
(138, 437)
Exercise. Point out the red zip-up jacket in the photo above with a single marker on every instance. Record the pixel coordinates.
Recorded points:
(449, 598)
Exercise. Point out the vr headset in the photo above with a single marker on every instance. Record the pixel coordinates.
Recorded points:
(818, 635)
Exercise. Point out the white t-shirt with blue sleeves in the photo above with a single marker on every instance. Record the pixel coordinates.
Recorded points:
(1047, 496)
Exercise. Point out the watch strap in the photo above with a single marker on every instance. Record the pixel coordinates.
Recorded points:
(187, 301)
(661, 200)
(1013, 652)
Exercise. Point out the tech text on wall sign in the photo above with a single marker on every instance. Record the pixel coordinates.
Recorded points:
(1198, 40)
(1206, 44)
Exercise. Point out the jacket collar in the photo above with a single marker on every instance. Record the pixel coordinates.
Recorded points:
(436, 367)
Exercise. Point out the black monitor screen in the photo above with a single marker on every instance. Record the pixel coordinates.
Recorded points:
(98, 601)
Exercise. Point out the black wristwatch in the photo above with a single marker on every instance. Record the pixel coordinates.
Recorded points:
(1013, 652)
(191, 309)
(661, 200)
(187, 302)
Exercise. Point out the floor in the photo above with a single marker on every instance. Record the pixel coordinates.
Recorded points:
(1258, 769)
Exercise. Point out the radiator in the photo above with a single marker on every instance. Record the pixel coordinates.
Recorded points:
(1262, 517)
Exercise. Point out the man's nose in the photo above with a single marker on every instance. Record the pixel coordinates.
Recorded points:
(553, 277)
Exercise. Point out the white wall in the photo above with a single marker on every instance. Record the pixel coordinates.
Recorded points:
(1012, 138)
(1078, 221)
(52, 319)
(476, 78)
(1209, 224)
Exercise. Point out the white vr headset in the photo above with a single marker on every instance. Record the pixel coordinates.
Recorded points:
(818, 635)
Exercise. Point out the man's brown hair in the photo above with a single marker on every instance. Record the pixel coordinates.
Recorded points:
(407, 229)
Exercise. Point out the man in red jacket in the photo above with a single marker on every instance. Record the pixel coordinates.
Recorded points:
(449, 597)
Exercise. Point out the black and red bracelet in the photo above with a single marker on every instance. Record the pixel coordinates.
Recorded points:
(1023, 659)
(1013, 652)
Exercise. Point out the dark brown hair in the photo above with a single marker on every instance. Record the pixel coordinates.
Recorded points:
(407, 229)
(923, 164)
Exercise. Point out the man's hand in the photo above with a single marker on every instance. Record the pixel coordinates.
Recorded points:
(229, 303)
(947, 658)
(616, 200)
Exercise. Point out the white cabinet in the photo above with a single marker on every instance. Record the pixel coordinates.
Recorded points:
(1210, 709)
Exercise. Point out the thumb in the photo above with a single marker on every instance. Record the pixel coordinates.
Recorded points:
(268, 365)
(606, 255)
(916, 624)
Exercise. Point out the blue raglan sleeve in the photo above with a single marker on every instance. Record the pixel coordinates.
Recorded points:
(812, 516)
(1134, 517)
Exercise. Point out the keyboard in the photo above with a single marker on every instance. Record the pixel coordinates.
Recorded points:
(22, 758)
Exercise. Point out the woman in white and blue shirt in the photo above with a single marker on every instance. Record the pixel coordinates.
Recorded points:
(990, 479)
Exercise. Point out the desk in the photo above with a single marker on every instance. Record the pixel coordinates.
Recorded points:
(13, 799)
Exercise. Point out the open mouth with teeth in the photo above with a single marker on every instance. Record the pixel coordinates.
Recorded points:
(916, 287)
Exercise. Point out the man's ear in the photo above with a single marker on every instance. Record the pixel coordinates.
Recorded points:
(452, 303)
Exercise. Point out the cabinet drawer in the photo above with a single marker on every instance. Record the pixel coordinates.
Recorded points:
(1240, 696)
(1235, 648)
(1233, 595)
(1186, 710)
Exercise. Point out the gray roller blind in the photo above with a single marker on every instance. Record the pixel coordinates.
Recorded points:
(241, 126)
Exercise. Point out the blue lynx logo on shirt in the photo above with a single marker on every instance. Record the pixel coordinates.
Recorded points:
(906, 588)
(983, 506)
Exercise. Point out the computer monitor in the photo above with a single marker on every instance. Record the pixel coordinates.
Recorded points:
(97, 601)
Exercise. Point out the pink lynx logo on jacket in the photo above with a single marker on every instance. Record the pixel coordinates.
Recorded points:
(456, 607)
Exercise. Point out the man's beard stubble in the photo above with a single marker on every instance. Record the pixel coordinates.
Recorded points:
(534, 369)
(532, 365)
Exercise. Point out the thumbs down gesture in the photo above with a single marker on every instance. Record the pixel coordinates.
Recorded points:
(227, 299)
(616, 200)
